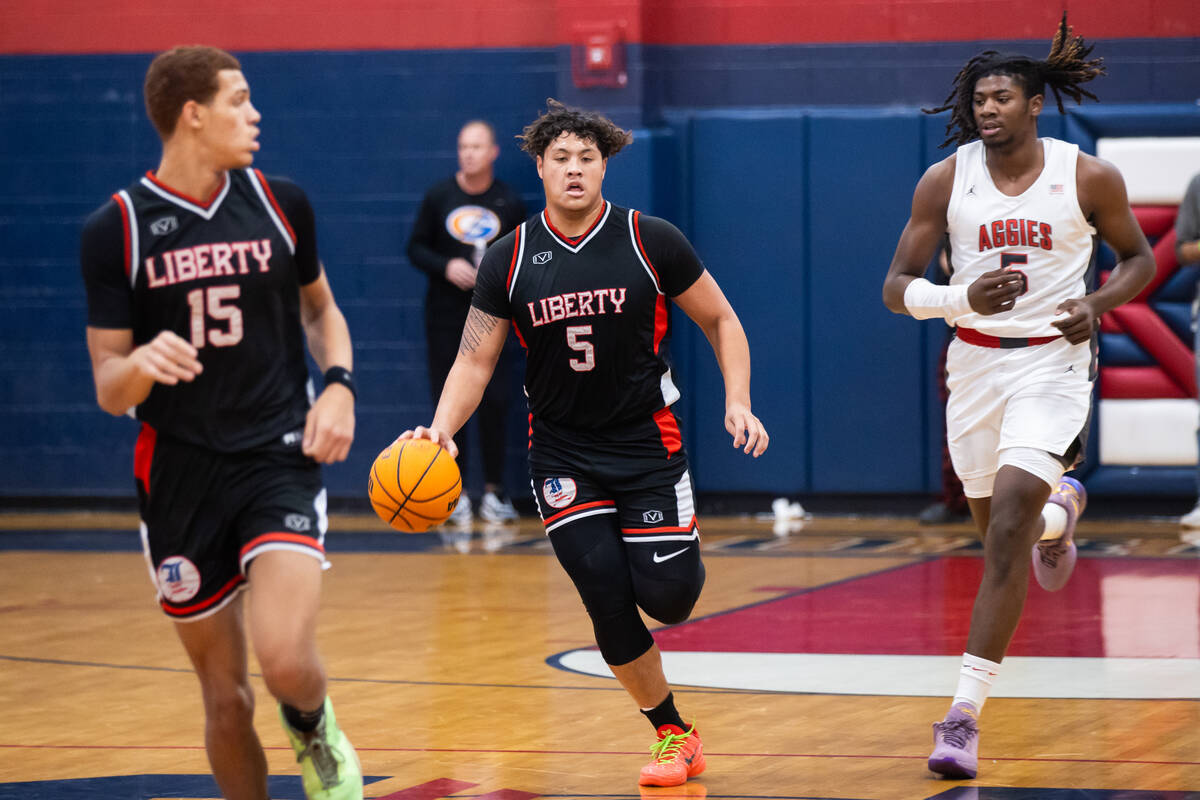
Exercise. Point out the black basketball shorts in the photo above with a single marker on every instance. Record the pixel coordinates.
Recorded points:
(206, 516)
(638, 472)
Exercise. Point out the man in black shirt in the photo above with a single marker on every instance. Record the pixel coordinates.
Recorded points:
(203, 283)
(587, 286)
(458, 219)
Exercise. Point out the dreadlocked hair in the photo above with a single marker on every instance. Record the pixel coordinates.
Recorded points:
(1064, 69)
(590, 126)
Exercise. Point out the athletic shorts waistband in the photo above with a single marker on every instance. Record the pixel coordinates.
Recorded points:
(972, 336)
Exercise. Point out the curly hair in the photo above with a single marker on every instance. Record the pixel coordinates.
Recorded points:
(589, 126)
(1064, 69)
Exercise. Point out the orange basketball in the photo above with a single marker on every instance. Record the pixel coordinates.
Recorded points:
(414, 484)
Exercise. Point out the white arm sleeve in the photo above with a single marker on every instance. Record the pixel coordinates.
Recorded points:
(925, 300)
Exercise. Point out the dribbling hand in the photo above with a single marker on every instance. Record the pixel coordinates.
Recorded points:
(433, 434)
(995, 292)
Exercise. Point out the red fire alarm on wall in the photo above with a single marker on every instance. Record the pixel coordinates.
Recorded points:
(598, 55)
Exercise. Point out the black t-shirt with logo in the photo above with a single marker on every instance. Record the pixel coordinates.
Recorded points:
(449, 225)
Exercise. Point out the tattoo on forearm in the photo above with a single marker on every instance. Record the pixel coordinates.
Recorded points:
(478, 327)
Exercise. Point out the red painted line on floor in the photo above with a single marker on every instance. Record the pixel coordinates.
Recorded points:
(505, 794)
(431, 790)
(1035, 759)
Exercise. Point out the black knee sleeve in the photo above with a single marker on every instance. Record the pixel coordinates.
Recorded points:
(667, 586)
(591, 552)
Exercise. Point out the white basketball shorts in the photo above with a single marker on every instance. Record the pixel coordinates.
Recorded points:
(1037, 396)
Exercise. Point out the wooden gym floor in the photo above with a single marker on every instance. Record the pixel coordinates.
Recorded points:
(460, 665)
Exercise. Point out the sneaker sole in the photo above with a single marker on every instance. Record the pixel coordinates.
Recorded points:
(951, 768)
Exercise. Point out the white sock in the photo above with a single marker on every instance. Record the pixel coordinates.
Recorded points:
(975, 680)
(1055, 517)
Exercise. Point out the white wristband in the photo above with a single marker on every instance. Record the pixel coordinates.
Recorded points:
(925, 300)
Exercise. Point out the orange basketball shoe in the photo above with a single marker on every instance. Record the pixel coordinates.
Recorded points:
(675, 757)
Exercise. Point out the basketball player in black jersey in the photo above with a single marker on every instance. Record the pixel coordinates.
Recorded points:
(203, 281)
(588, 287)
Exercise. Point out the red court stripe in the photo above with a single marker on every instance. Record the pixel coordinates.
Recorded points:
(431, 790)
(1012, 759)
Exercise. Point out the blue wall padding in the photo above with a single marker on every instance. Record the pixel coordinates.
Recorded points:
(1178, 317)
(1180, 287)
(795, 210)
(1120, 350)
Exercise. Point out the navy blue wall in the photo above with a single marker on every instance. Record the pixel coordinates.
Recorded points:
(795, 210)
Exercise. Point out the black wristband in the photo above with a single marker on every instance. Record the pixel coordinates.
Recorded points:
(343, 376)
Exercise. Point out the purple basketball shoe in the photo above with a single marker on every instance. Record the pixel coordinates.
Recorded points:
(956, 743)
(1054, 558)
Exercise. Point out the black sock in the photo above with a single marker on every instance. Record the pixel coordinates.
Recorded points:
(665, 714)
(303, 721)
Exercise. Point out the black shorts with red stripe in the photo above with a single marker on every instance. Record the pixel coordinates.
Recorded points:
(638, 472)
(207, 515)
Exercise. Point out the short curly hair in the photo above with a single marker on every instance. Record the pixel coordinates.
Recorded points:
(589, 126)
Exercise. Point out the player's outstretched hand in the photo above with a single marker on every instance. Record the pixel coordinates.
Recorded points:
(167, 358)
(996, 291)
(329, 426)
(434, 435)
(746, 429)
(1080, 321)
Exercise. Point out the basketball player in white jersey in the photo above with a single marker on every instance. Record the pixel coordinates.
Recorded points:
(1021, 214)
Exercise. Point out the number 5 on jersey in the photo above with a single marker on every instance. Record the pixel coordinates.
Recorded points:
(588, 362)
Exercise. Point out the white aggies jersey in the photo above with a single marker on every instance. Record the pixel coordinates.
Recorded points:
(1040, 233)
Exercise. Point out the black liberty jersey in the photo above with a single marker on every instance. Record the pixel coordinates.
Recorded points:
(224, 275)
(593, 313)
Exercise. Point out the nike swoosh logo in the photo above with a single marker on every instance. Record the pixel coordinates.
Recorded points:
(659, 559)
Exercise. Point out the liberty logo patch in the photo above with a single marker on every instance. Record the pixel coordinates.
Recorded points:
(559, 492)
(543, 257)
(178, 579)
(652, 516)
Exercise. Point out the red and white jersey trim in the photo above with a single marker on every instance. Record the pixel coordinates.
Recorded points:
(207, 212)
(273, 210)
(565, 242)
(131, 233)
(636, 241)
(515, 267)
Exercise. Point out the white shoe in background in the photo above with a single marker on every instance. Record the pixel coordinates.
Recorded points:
(1192, 518)
(461, 516)
(493, 509)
